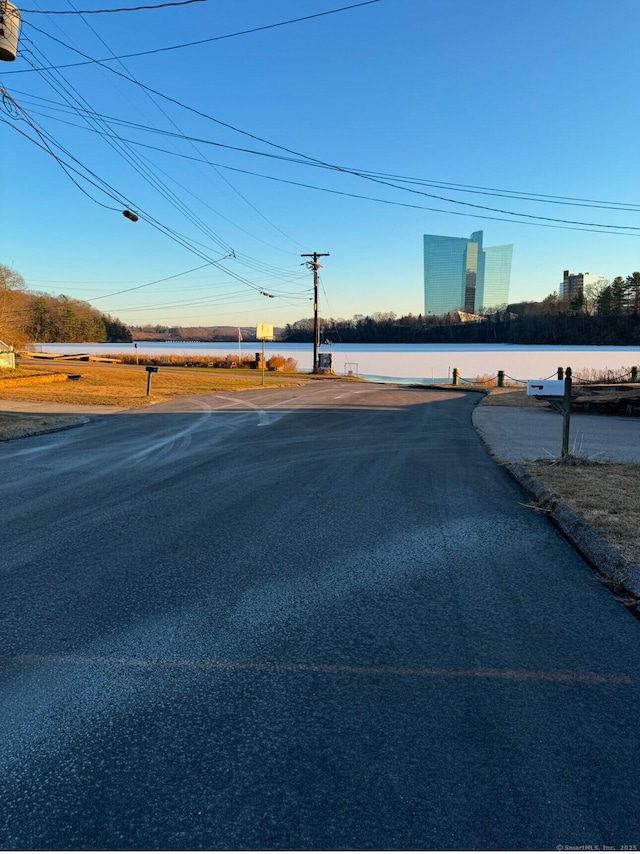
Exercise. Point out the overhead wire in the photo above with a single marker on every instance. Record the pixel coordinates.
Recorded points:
(558, 224)
(103, 11)
(104, 187)
(399, 182)
(148, 284)
(165, 191)
(92, 116)
(133, 159)
(538, 219)
(91, 60)
(177, 202)
(153, 100)
(470, 188)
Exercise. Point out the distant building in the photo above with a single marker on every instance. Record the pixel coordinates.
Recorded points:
(575, 283)
(460, 275)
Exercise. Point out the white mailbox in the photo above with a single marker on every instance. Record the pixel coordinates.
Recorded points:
(545, 388)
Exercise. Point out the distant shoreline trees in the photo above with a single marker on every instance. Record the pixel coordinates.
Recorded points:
(31, 316)
(608, 316)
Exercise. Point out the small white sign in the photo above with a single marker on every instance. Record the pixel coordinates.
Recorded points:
(264, 331)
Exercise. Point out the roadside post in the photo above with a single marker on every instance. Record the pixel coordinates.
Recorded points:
(150, 369)
(264, 332)
(566, 413)
(558, 395)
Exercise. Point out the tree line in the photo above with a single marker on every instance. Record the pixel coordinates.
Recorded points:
(30, 316)
(608, 315)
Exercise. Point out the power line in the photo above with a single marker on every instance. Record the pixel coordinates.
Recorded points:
(105, 131)
(90, 60)
(104, 187)
(551, 222)
(541, 220)
(521, 195)
(102, 11)
(148, 284)
(195, 148)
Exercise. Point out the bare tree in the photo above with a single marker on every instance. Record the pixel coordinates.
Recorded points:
(14, 306)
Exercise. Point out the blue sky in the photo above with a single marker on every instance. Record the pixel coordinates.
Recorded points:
(531, 98)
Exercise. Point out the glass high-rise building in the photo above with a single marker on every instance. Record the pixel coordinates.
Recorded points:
(460, 275)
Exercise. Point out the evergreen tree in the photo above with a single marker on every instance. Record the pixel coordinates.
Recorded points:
(618, 296)
(633, 292)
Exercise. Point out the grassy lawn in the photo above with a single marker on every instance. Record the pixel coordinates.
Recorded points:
(512, 397)
(126, 386)
(606, 495)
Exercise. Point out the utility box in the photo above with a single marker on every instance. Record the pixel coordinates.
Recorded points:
(324, 363)
(545, 388)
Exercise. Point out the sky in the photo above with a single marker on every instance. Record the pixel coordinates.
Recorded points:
(245, 134)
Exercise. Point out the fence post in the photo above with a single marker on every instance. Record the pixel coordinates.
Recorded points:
(456, 375)
(634, 374)
(566, 414)
(500, 379)
(560, 374)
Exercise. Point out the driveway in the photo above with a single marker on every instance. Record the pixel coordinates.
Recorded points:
(311, 618)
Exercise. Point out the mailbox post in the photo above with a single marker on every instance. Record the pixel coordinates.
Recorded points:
(150, 369)
(558, 394)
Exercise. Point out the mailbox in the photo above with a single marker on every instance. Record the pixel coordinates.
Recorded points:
(545, 388)
(150, 369)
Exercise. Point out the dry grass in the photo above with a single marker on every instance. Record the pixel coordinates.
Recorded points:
(18, 425)
(512, 397)
(606, 495)
(126, 386)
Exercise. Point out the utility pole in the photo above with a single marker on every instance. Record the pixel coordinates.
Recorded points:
(566, 413)
(313, 265)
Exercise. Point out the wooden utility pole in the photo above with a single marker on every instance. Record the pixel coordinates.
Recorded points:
(313, 265)
(566, 413)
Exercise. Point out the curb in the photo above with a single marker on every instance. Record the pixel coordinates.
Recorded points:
(612, 569)
(24, 434)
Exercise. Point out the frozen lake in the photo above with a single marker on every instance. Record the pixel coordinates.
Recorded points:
(401, 362)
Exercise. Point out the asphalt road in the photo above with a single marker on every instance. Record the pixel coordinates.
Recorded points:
(311, 618)
(532, 434)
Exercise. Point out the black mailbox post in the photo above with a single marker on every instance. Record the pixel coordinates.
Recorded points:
(150, 369)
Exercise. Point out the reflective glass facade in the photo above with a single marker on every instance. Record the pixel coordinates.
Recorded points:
(460, 275)
(497, 276)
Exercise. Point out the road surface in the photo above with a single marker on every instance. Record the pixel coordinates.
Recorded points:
(310, 618)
